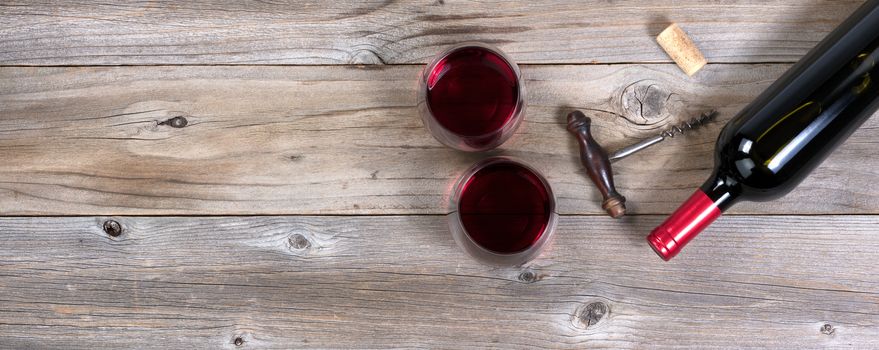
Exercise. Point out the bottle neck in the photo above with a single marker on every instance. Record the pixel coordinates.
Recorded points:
(722, 189)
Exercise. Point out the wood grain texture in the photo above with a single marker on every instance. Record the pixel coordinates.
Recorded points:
(391, 32)
(348, 140)
(200, 116)
(401, 282)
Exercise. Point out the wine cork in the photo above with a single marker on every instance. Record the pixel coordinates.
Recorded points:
(681, 49)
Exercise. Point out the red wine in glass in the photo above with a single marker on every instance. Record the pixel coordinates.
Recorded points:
(505, 211)
(471, 97)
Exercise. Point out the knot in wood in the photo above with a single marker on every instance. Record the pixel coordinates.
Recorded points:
(367, 56)
(176, 122)
(591, 315)
(528, 276)
(112, 228)
(827, 329)
(238, 341)
(299, 242)
(647, 102)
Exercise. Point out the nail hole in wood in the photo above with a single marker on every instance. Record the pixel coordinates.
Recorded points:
(299, 242)
(112, 228)
(176, 122)
(827, 329)
(239, 341)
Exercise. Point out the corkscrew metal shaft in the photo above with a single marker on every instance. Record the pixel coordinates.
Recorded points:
(671, 132)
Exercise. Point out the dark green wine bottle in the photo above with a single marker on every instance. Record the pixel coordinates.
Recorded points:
(776, 141)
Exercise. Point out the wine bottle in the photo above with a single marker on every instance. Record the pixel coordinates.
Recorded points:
(776, 141)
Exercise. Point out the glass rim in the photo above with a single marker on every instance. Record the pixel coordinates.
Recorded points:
(459, 232)
(446, 136)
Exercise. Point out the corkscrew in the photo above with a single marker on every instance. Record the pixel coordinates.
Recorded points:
(597, 162)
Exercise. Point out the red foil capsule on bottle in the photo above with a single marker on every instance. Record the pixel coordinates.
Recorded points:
(685, 223)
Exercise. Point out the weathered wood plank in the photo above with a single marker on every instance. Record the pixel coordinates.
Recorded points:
(384, 282)
(377, 32)
(347, 140)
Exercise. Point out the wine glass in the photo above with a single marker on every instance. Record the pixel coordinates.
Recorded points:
(503, 211)
(471, 97)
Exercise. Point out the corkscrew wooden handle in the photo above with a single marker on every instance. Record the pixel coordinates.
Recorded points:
(597, 165)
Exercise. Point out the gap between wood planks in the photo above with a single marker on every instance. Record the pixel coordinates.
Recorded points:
(363, 65)
(329, 215)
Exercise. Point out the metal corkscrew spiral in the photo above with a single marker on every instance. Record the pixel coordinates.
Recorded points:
(671, 132)
(689, 125)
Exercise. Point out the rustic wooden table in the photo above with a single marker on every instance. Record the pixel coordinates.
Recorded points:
(274, 187)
